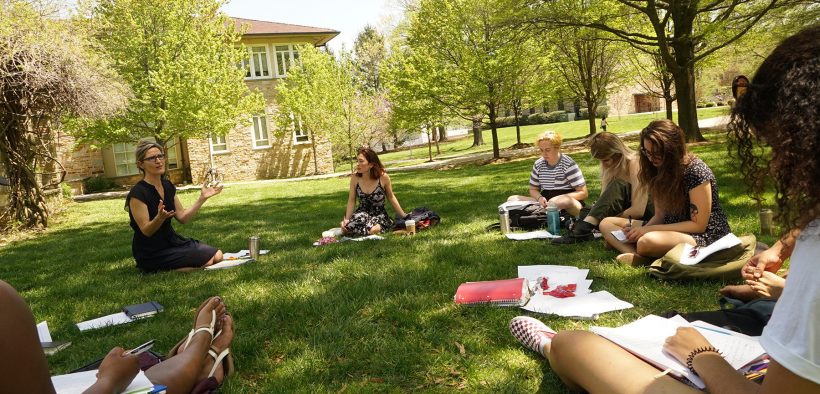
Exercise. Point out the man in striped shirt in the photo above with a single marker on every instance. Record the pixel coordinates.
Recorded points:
(555, 178)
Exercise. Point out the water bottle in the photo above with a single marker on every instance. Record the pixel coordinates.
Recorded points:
(504, 221)
(766, 217)
(553, 219)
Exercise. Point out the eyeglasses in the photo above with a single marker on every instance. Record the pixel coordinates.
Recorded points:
(651, 155)
(155, 158)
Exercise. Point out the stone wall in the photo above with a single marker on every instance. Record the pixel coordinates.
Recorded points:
(79, 162)
(285, 158)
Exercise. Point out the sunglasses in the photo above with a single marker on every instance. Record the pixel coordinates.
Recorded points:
(651, 155)
(155, 158)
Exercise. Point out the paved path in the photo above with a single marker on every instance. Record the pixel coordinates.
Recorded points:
(576, 144)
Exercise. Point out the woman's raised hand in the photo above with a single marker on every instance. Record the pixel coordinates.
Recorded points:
(209, 190)
(162, 213)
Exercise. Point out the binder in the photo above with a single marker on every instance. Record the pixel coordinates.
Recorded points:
(505, 292)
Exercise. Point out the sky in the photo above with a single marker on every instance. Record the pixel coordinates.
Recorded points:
(346, 16)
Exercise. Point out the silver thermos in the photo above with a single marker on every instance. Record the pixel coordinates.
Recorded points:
(253, 247)
(504, 220)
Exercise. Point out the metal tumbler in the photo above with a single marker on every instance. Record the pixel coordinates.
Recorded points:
(766, 218)
(253, 247)
(504, 220)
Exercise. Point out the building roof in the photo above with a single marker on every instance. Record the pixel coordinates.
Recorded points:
(265, 28)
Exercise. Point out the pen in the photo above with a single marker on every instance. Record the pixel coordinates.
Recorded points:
(712, 329)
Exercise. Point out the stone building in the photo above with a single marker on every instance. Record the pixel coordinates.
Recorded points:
(257, 151)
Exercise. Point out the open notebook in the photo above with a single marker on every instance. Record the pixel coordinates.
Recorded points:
(645, 338)
(80, 381)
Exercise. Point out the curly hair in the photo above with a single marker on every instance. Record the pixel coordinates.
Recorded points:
(665, 183)
(780, 109)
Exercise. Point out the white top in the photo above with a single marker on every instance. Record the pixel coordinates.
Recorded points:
(792, 337)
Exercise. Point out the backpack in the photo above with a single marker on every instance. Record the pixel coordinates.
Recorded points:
(530, 217)
(422, 215)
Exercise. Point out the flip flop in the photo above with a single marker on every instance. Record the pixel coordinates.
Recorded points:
(224, 358)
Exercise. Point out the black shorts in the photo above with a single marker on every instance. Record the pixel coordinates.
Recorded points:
(550, 193)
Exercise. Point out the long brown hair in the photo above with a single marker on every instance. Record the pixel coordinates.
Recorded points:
(370, 155)
(605, 145)
(665, 183)
(780, 109)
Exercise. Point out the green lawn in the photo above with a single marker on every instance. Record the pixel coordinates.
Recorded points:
(359, 317)
(507, 137)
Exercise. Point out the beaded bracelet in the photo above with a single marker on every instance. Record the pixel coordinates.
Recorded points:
(691, 357)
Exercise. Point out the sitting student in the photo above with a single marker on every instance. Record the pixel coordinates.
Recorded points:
(151, 204)
(555, 178)
(204, 362)
(685, 195)
(779, 109)
(621, 195)
(370, 217)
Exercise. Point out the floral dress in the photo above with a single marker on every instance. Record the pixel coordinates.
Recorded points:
(370, 212)
(695, 174)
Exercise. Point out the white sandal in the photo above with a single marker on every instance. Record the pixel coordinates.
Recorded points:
(223, 357)
(209, 329)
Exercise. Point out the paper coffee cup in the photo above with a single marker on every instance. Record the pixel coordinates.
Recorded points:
(410, 225)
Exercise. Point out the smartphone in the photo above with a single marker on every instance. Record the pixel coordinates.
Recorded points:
(139, 349)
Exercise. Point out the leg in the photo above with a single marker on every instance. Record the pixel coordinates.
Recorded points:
(615, 199)
(217, 258)
(585, 360)
(376, 229)
(181, 371)
(568, 203)
(739, 292)
(23, 367)
(657, 243)
(612, 223)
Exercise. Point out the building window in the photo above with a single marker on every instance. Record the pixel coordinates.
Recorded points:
(260, 131)
(171, 161)
(258, 63)
(219, 144)
(125, 158)
(300, 135)
(286, 57)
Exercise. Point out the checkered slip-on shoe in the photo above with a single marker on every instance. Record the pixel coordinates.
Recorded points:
(532, 333)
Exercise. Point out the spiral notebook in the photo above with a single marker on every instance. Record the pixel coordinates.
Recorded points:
(505, 292)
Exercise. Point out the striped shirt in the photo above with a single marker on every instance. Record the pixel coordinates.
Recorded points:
(562, 176)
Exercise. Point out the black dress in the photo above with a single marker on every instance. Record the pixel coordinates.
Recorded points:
(165, 250)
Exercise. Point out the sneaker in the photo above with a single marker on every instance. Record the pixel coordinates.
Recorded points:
(532, 333)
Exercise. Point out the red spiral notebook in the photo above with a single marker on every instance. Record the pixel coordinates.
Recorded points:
(506, 292)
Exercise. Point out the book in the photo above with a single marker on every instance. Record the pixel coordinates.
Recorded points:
(692, 255)
(505, 292)
(645, 339)
(229, 263)
(80, 381)
(141, 311)
(50, 348)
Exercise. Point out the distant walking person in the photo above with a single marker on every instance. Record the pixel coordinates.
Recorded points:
(603, 124)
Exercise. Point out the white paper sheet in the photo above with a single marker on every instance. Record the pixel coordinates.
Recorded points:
(508, 205)
(43, 332)
(532, 272)
(372, 237)
(619, 235)
(587, 306)
(229, 263)
(728, 241)
(242, 254)
(538, 234)
(80, 381)
(109, 320)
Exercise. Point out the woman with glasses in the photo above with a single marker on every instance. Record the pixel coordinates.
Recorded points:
(685, 197)
(151, 204)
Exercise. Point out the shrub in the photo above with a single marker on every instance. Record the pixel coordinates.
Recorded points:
(583, 113)
(66, 189)
(556, 116)
(602, 111)
(709, 104)
(98, 183)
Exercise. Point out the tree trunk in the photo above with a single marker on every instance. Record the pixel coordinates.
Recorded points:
(437, 136)
(442, 134)
(687, 105)
(492, 114)
(669, 100)
(26, 204)
(313, 147)
(478, 137)
(429, 132)
(592, 111)
(517, 129)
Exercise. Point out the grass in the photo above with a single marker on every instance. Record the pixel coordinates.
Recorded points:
(507, 137)
(360, 317)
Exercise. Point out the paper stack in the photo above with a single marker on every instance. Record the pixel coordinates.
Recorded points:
(581, 304)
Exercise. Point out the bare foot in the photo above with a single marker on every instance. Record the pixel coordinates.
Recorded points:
(739, 292)
(204, 316)
(222, 342)
(634, 260)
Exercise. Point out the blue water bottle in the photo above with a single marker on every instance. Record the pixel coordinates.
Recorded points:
(553, 219)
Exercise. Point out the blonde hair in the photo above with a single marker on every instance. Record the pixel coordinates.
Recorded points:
(551, 136)
(142, 149)
(605, 145)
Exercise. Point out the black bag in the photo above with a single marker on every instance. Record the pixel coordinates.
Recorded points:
(530, 217)
(424, 218)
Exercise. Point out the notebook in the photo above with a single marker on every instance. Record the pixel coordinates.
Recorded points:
(506, 292)
(645, 338)
(140, 311)
(78, 382)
